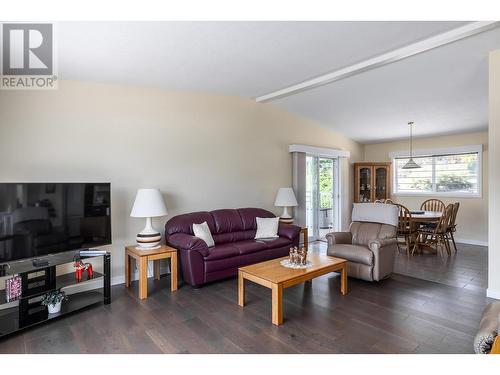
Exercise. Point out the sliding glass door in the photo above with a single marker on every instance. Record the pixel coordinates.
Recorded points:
(321, 196)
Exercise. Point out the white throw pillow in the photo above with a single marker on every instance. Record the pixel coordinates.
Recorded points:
(267, 227)
(202, 231)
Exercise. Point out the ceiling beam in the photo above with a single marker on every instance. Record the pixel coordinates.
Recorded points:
(413, 49)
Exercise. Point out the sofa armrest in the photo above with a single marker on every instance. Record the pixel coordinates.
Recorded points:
(488, 329)
(339, 238)
(183, 241)
(384, 253)
(289, 231)
(375, 245)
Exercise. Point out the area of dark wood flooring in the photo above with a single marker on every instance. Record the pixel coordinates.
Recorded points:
(402, 314)
(467, 268)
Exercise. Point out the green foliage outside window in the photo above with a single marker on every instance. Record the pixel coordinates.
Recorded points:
(325, 183)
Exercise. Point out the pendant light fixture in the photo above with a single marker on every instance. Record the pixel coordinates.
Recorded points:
(411, 163)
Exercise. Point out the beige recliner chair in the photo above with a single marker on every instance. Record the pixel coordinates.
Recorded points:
(371, 244)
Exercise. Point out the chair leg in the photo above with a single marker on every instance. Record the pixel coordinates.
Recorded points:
(407, 239)
(415, 246)
(453, 240)
(446, 244)
(439, 248)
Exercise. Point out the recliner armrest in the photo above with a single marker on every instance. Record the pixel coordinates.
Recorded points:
(375, 245)
(183, 241)
(384, 252)
(289, 231)
(339, 238)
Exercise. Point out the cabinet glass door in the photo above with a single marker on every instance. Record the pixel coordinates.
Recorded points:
(365, 188)
(381, 183)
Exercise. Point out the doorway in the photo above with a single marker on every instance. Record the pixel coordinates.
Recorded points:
(322, 198)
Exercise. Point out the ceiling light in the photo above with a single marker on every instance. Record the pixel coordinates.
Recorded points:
(411, 163)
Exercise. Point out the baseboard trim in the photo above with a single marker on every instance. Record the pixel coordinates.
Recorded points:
(117, 280)
(493, 293)
(471, 242)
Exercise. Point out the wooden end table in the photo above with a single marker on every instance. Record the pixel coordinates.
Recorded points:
(274, 276)
(142, 257)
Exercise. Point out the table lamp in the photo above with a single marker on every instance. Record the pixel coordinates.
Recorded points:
(285, 198)
(148, 203)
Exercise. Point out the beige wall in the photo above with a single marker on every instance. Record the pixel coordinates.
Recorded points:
(203, 151)
(472, 220)
(494, 174)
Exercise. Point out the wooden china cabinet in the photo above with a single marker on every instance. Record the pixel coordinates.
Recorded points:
(372, 181)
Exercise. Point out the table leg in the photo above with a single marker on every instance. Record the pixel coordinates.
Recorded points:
(343, 283)
(156, 269)
(241, 289)
(277, 291)
(173, 272)
(143, 277)
(127, 270)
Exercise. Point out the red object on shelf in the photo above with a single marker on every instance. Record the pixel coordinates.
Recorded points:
(80, 268)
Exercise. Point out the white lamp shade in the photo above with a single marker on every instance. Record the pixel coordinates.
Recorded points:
(285, 198)
(148, 203)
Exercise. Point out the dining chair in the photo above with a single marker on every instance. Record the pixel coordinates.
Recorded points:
(452, 228)
(378, 201)
(437, 235)
(406, 227)
(433, 205)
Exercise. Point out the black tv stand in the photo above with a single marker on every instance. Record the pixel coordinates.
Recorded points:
(27, 311)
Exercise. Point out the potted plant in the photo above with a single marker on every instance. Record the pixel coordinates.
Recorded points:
(53, 300)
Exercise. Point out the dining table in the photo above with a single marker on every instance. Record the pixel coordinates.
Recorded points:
(418, 216)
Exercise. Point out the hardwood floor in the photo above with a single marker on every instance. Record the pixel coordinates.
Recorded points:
(402, 314)
(468, 268)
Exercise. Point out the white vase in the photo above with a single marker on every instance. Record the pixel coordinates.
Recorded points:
(53, 309)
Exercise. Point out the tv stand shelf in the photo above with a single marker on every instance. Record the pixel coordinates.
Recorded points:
(27, 311)
(62, 281)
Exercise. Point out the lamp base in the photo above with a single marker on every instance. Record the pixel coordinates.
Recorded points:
(149, 238)
(147, 248)
(286, 220)
(285, 214)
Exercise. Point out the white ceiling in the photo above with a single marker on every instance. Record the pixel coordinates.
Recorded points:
(443, 90)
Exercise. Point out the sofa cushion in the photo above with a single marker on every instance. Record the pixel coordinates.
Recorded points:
(276, 242)
(227, 221)
(353, 253)
(249, 246)
(222, 251)
(249, 215)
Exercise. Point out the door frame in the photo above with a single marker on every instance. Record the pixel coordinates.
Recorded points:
(336, 201)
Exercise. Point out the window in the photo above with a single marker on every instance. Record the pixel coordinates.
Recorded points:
(442, 172)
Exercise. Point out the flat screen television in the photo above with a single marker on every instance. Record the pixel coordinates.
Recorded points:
(37, 219)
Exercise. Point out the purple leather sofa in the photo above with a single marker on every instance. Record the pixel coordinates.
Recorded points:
(233, 231)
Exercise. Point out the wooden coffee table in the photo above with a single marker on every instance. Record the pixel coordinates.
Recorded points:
(274, 276)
